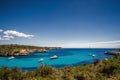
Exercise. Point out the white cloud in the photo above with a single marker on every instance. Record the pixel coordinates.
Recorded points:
(17, 34)
(105, 44)
(11, 34)
(1, 38)
(8, 37)
(1, 30)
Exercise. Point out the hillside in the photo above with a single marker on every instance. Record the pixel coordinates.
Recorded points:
(20, 50)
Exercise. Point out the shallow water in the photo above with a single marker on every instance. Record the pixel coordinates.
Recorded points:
(67, 57)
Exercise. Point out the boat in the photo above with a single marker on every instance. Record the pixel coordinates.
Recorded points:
(54, 57)
(41, 60)
(12, 57)
(93, 55)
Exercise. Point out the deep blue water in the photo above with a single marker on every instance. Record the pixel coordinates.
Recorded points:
(67, 57)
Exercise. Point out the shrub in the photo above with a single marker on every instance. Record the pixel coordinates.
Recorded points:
(44, 70)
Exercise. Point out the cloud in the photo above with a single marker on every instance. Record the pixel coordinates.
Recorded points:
(1, 30)
(2, 38)
(107, 42)
(17, 34)
(8, 37)
(11, 34)
(102, 44)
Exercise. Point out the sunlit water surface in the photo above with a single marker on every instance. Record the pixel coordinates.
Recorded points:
(67, 57)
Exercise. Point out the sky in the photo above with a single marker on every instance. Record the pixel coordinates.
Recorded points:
(62, 23)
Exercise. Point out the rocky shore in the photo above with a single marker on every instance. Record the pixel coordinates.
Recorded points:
(115, 52)
(22, 50)
(28, 51)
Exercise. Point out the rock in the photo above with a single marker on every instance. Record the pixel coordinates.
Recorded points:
(21, 50)
(113, 52)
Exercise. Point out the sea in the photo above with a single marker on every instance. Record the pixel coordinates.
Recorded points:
(66, 57)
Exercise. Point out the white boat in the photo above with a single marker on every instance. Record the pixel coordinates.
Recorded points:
(54, 57)
(93, 55)
(12, 57)
(41, 60)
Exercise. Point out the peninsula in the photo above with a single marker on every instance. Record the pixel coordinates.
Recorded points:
(22, 50)
(114, 52)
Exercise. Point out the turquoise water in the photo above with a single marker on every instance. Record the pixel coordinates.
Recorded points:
(67, 57)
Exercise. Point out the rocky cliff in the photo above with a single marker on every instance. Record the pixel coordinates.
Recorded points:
(115, 52)
(21, 50)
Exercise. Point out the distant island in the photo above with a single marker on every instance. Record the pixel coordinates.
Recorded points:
(22, 50)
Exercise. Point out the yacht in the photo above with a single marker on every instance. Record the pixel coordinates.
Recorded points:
(54, 57)
(93, 55)
(12, 57)
(41, 60)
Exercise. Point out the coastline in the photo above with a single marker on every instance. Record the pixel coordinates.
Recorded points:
(114, 52)
(23, 50)
(67, 57)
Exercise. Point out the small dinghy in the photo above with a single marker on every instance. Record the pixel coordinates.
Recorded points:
(12, 57)
(54, 57)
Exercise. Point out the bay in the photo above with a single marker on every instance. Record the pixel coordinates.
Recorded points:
(66, 57)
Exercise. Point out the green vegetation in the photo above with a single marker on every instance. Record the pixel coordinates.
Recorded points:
(14, 49)
(108, 69)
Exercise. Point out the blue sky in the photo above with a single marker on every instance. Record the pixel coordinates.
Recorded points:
(65, 23)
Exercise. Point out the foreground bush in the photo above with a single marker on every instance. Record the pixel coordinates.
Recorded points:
(10, 74)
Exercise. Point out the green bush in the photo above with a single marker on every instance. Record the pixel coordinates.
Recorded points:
(10, 74)
(44, 71)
